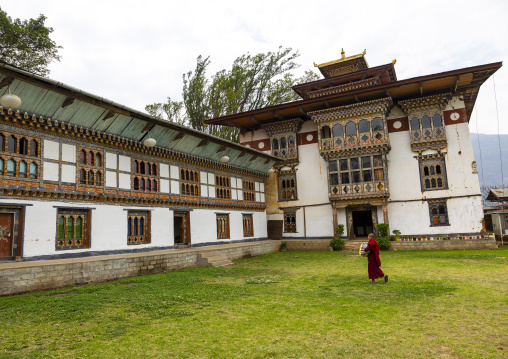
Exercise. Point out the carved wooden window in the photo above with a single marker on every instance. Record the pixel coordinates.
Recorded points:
(222, 225)
(248, 228)
(223, 187)
(19, 156)
(189, 182)
(353, 133)
(357, 175)
(145, 176)
(287, 186)
(438, 214)
(284, 146)
(425, 128)
(290, 220)
(138, 227)
(433, 174)
(248, 191)
(90, 170)
(73, 229)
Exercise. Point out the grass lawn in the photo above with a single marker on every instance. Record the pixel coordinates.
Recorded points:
(448, 304)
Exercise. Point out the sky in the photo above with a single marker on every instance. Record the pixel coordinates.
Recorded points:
(135, 52)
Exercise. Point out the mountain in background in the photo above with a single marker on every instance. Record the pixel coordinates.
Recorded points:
(488, 159)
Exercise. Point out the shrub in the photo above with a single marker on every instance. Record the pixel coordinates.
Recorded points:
(384, 243)
(339, 231)
(283, 245)
(382, 229)
(337, 244)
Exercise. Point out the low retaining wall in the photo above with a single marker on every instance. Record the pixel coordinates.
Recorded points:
(16, 277)
(308, 245)
(488, 243)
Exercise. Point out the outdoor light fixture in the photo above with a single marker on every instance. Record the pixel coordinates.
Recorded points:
(149, 141)
(10, 101)
(224, 158)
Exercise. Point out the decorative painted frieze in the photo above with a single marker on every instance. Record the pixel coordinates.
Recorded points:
(345, 87)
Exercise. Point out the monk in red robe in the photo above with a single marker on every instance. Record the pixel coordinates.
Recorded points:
(374, 261)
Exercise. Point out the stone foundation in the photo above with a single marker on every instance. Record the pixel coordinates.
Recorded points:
(488, 243)
(19, 277)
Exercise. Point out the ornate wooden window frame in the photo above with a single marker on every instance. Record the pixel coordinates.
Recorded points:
(88, 172)
(222, 187)
(248, 225)
(67, 218)
(289, 220)
(23, 153)
(283, 139)
(433, 173)
(138, 227)
(248, 190)
(189, 182)
(222, 220)
(145, 176)
(287, 186)
(438, 213)
(341, 169)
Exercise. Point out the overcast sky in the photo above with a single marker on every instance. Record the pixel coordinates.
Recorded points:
(135, 52)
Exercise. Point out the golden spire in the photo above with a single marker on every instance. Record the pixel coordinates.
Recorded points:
(342, 54)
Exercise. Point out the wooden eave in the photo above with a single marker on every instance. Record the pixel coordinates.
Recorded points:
(385, 73)
(464, 82)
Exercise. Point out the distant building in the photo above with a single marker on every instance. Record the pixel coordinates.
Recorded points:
(363, 147)
(76, 178)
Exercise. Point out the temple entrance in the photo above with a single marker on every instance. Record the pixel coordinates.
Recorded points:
(6, 234)
(181, 228)
(362, 223)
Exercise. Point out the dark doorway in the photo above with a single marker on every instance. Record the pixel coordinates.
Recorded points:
(6, 234)
(181, 228)
(362, 223)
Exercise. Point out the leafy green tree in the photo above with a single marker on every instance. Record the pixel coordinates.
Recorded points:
(254, 81)
(26, 44)
(169, 111)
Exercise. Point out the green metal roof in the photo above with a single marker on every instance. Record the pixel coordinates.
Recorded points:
(44, 97)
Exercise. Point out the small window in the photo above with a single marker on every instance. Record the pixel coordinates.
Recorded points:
(11, 144)
(433, 174)
(98, 159)
(283, 142)
(23, 146)
(438, 214)
(2, 142)
(290, 220)
(138, 227)
(437, 121)
(82, 157)
(11, 168)
(23, 169)
(275, 144)
(363, 126)
(248, 229)
(1, 167)
(415, 124)
(34, 148)
(377, 124)
(425, 122)
(72, 229)
(222, 226)
(33, 170)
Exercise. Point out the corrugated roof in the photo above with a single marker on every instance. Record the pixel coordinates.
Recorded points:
(55, 100)
(498, 194)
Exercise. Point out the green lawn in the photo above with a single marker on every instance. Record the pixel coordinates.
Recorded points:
(448, 304)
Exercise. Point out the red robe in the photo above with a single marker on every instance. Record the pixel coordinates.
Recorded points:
(374, 261)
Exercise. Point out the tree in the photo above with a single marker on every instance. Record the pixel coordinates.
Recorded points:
(169, 111)
(251, 83)
(26, 44)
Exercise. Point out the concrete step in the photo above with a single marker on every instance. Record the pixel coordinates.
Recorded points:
(213, 259)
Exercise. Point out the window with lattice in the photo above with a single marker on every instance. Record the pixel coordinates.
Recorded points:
(223, 187)
(73, 229)
(189, 182)
(438, 214)
(290, 220)
(287, 186)
(248, 228)
(19, 156)
(138, 227)
(90, 167)
(145, 177)
(222, 225)
(433, 174)
(249, 193)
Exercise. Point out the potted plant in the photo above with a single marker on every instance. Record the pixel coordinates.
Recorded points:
(396, 233)
(283, 246)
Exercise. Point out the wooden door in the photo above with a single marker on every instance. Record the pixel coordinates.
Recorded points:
(6, 234)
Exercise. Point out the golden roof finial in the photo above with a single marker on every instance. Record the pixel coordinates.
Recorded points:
(342, 54)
